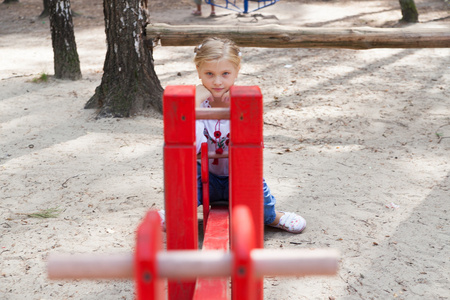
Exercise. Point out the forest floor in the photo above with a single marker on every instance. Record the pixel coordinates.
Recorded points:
(357, 142)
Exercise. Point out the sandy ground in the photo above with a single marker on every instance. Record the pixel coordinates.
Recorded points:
(356, 141)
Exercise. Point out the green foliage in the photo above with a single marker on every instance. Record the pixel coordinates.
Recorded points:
(45, 213)
(42, 78)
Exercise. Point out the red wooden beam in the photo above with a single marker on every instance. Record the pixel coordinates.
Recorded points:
(180, 178)
(205, 183)
(148, 244)
(246, 160)
(243, 239)
(216, 238)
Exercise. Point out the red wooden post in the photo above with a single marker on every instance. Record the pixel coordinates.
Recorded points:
(246, 159)
(180, 178)
(243, 239)
(148, 244)
(205, 184)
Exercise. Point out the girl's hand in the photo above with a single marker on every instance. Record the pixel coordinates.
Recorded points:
(201, 94)
(226, 97)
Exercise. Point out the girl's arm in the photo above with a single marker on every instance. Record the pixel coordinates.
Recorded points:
(199, 136)
(201, 94)
(226, 97)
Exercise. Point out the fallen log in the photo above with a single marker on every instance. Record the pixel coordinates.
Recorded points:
(278, 36)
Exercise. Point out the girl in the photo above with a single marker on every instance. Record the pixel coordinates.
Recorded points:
(218, 62)
(198, 11)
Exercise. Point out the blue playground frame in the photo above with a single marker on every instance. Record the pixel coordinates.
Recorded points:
(231, 4)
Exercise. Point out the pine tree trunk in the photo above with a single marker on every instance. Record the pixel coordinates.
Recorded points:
(46, 10)
(129, 84)
(409, 11)
(66, 61)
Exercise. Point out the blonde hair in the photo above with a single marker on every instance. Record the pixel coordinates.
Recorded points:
(215, 49)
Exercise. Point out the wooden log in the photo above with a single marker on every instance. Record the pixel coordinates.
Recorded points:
(278, 36)
(212, 154)
(90, 266)
(212, 113)
(190, 264)
(304, 262)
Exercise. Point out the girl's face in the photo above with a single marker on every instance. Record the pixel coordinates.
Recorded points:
(218, 76)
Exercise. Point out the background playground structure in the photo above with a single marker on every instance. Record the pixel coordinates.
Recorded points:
(242, 6)
(346, 133)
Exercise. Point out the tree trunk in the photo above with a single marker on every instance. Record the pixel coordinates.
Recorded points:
(129, 84)
(46, 10)
(409, 11)
(66, 61)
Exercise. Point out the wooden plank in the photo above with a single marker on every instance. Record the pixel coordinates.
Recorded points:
(217, 237)
(279, 36)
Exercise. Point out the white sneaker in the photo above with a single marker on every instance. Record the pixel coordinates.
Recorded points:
(162, 215)
(291, 222)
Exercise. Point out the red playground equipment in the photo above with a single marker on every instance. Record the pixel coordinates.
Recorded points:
(204, 274)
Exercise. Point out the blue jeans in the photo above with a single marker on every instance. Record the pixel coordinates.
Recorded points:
(219, 191)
